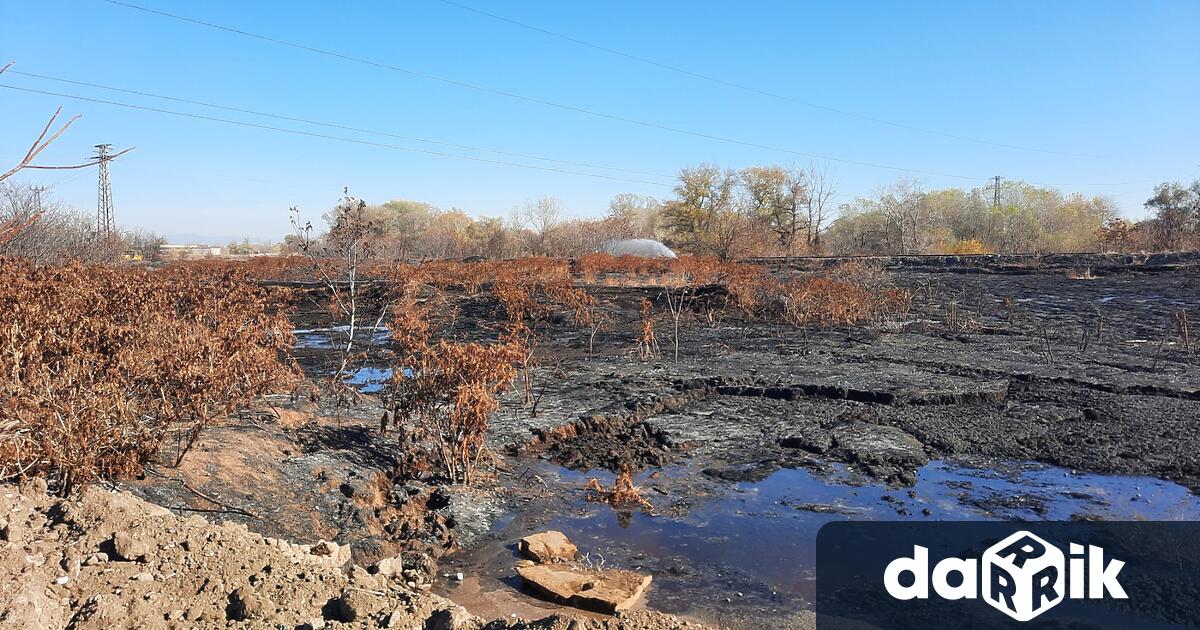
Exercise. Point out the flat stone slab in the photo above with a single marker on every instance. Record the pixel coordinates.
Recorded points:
(606, 591)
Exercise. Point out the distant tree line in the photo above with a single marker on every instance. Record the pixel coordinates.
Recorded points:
(47, 231)
(755, 211)
(778, 211)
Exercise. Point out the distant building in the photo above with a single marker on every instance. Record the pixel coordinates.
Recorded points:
(188, 252)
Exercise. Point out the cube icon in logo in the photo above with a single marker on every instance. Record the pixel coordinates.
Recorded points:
(1023, 576)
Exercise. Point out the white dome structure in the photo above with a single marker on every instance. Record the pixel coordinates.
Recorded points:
(644, 247)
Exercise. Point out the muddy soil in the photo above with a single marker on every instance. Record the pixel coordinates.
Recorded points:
(1087, 372)
(1011, 371)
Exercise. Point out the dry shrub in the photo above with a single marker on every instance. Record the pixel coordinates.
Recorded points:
(849, 294)
(449, 388)
(591, 266)
(749, 289)
(647, 341)
(104, 367)
(472, 276)
(622, 496)
(278, 268)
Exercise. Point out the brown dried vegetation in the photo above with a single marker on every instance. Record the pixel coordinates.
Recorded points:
(449, 388)
(622, 496)
(105, 369)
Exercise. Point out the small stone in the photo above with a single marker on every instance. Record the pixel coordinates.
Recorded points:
(245, 604)
(95, 558)
(389, 567)
(129, 548)
(551, 546)
(144, 576)
(62, 579)
(456, 618)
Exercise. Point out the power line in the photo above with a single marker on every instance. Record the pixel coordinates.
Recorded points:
(312, 134)
(334, 125)
(748, 88)
(530, 99)
(387, 134)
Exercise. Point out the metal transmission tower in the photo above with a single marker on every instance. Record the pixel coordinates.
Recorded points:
(996, 179)
(105, 223)
(37, 199)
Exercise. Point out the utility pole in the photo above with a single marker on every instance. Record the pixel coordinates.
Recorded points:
(37, 199)
(996, 190)
(105, 223)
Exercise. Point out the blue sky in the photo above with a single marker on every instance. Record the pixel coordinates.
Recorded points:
(1111, 84)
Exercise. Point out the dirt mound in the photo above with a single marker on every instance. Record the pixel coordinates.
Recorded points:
(110, 560)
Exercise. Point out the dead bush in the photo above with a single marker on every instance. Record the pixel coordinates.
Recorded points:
(104, 368)
(449, 388)
(622, 496)
(647, 341)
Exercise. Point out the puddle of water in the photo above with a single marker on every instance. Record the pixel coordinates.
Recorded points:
(327, 338)
(756, 542)
(369, 380)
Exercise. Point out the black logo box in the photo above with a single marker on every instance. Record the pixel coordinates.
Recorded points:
(1161, 575)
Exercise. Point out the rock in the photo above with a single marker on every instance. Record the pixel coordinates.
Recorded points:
(456, 618)
(245, 604)
(396, 619)
(34, 486)
(601, 591)
(335, 553)
(129, 548)
(389, 567)
(551, 546)
(313, 624)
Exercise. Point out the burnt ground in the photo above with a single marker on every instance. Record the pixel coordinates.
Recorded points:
(1090, 374)
(1085, 374)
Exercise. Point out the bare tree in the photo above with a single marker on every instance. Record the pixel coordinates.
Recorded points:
(820, 190)
(905, 210)
(338, 261)
(636, 215)
(43, 231)
(541, 218)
